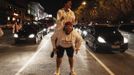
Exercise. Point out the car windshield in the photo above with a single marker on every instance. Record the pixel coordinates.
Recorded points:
(127, 27)
(105, 28)
(29, 28)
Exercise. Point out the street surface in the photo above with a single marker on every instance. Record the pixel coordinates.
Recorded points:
(31, 59)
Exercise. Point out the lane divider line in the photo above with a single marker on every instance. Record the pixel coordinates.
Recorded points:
(32, 58)
(101, 63)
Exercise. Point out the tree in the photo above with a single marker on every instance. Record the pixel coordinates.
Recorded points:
(103, 10)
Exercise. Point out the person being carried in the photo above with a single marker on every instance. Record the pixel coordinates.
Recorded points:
(64, 15)
(69, 40)
(1, 32)
(16, 27)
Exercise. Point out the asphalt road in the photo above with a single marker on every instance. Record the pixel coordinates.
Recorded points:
(30, 59)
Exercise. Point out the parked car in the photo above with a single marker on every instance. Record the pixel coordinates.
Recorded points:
(105, 37)
(30, 32)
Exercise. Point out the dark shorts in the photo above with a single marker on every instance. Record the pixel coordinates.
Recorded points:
(69, 51)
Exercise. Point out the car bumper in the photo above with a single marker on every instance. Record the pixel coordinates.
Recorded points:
(112, 47)
(25, 39)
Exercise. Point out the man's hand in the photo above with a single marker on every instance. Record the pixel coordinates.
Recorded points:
(53, 52)
(77, 51)
(54, 49)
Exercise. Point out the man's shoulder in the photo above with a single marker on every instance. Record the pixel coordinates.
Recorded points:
(59, 31)
(75, 32)
(61, 10)
(71, 11)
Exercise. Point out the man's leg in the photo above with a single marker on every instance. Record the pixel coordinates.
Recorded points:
(71, 63)
(58, 63)
(70, 53)
(60, 53)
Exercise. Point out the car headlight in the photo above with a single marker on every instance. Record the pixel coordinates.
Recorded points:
(15, 35)
(101, 40)
(44, 29)
(31, 36)
(85, 33)
(125, 40)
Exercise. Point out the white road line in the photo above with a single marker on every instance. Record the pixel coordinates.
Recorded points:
(101, 63)
(32, 58)
(130, 52)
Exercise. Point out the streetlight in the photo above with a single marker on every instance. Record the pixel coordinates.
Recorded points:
(84, 3)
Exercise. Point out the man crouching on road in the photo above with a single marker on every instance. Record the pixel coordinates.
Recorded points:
(69, 40)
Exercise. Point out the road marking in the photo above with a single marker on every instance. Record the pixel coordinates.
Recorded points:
(101, 63)
(130, 52)
(32, 58)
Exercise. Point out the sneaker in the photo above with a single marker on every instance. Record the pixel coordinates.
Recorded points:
(57, 73)
(73, 73)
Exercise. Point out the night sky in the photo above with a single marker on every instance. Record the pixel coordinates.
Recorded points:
(50, 6)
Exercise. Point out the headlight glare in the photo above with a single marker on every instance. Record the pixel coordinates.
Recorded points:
(101, 40)
(44, 29)
(125, 40)
(85, 32)
(15, 35)
(31, 36)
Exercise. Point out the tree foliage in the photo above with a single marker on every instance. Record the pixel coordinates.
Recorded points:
(113, 10)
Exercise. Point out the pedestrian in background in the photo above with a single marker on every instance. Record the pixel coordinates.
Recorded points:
(69, 40)
(16, 27)
(65, 14)
(1, 32)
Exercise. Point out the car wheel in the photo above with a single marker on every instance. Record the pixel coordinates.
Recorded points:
(16, 41)
(86, 43)
(37, 40)
(42, 37)
(122, 51)
(95, 49)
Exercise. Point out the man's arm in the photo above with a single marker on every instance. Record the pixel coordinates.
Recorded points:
(59, 16)
(73, 17)
(54, 39)
(78, 41)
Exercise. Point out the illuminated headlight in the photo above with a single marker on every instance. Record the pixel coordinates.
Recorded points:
(15, 35)
(85, 32)
(44, 29)
(52, 27)
(31, 36)
(125, 40)
(101, 40)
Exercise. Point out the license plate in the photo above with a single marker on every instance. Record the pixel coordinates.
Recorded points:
(22, 38)
(115, 46)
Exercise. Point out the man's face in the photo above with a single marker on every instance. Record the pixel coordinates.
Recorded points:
(68, 28)
(68, 5)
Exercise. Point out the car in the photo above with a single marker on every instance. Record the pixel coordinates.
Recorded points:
(105, 37)
(49, 23)
(127, 28)
(30, 33)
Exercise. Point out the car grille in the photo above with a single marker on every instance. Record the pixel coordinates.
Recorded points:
(117, 43)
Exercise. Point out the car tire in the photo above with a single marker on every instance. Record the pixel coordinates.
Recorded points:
(95, 49)
(16, 41)
(122, 51)
(86, 43)
(42, 37)
(37, 40)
